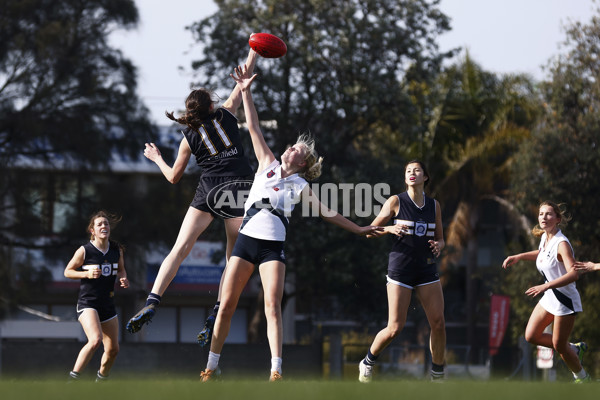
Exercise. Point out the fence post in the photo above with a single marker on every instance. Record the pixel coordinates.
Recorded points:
(335, 355)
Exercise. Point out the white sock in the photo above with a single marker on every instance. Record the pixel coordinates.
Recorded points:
(213, 361)
(580, 375)
(276, 364)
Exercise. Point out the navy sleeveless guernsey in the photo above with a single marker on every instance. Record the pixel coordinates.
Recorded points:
(99, 292)
(411, 261)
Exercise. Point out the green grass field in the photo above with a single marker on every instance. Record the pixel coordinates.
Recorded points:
(155, 389)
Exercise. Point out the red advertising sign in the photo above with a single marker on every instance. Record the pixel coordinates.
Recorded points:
(499, 308)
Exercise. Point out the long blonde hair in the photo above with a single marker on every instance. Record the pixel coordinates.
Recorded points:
(561, 213)
(314, 163)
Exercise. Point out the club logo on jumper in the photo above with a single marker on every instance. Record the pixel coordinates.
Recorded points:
(420, 228)
(276, 189)
(270, 174)
(106, 269)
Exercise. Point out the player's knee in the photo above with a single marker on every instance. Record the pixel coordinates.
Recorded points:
(530, 337)
(95, 342)
(180, 251)
(394, 329)
(438, 324)
(272, 309)
(112, 351)
(226, 309)
(560, 347)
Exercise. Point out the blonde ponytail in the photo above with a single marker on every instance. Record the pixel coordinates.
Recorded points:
(314, 171)
(314, 163)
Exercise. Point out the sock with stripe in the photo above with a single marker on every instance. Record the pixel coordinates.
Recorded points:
(153, 298)
(437, 371)
(370, 358)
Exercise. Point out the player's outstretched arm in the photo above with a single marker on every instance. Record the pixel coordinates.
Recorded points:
(235, 98)
(387, 212)
(264, 155)
(511, 260)
(334, 217)
(586, 266)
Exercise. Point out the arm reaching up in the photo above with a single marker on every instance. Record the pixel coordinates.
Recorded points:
(261, 149)
(235, 98)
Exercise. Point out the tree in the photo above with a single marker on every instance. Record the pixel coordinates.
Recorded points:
(560, 161)
(342, 79)
(64, 89)
(478, 120)
(67, 98)
(68, 105)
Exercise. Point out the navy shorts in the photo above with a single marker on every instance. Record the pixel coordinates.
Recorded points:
(222, 196)
(258, 251)
(105, 312)
(408, 272)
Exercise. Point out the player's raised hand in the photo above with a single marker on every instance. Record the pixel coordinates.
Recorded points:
(242, 77)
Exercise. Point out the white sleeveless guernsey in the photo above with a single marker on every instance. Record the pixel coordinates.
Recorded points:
(563, 300)
(270, 203)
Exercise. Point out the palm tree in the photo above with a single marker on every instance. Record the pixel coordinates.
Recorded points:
(476, 126)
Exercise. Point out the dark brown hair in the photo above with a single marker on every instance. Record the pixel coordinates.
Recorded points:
(197, 109)
(423, 167)
(113, 220)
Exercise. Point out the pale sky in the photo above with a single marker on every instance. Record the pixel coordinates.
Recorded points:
(503, 36)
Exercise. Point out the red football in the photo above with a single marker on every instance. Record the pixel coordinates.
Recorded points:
(267, 45)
